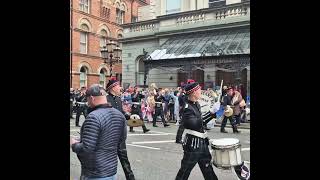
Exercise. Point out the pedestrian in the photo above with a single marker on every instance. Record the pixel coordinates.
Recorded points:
(171, 103)
(151, 104)
(196, 143)
(176, 106)
(82, 105)
(101, 136)
(72, 96)
(114, 92)
(236, 99)
(227, 101)
(159, 100)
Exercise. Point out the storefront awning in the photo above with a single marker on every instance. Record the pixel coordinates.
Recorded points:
(210, 43)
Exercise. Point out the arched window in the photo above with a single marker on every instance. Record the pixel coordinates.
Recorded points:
(102, 79)
(103, 38)
(84, 39)
(120, 13)
(83, 76)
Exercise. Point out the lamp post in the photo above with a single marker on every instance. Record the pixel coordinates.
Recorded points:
(111, 54)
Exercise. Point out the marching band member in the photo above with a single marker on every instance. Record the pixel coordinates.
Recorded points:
(195, 142)
(136, 107)
(159, 109)
(81, 102)
(114, 92)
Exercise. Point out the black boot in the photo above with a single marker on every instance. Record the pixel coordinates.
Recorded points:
(235, 129)
(223, 130)
(131, 129)
(145, 129)
(165, 125)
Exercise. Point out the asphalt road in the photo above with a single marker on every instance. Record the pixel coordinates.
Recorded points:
(155, 155)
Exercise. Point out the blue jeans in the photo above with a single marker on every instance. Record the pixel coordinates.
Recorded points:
(114, 177)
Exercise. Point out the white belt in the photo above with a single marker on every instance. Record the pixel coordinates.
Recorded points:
(136, 103)
(82, 103)
(195, 133)
(158, 102)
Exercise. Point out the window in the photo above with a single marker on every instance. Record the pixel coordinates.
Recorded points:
(103, 39)
(105, 12)
(84, 5)
(102, 79)
(173, 6)
(216, 3)
(83, 77)
(83, 42)
(119, 16)
(84, 39)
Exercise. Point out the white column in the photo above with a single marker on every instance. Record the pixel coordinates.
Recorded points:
(192, 5)
(163, 7)
(205, 3)
(200, 4)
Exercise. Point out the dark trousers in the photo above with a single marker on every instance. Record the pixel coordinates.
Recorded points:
(237, 119)
(123, 158)
(224, 121)
(190, 159)
(138, 111)
(80, 110)
(171, 108)
(71, 109)
(158, 112)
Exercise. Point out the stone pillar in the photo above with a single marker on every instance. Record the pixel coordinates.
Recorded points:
(163, 7)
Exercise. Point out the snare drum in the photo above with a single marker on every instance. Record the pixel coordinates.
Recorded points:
(226, 152)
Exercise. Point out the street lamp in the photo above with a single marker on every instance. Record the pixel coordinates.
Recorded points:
(111, 54)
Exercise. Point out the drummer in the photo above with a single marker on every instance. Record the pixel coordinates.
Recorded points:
(196, 142)
(136, 97)
(114, 92)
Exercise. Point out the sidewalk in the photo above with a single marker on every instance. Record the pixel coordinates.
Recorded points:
(245, 125)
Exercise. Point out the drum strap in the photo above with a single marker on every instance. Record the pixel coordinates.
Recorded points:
(195, 133)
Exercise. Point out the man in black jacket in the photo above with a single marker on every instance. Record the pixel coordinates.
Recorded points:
(196, 142)
(102, 135)
(159, 99)
(82, 105)
(114, 91)
(136, 107)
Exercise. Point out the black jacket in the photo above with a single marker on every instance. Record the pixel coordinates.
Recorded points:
(192, 119)
(137, 97)
(226, 100)
(102, 134)
(115, 101)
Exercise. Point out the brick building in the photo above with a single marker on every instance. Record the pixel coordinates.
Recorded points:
(92, 24)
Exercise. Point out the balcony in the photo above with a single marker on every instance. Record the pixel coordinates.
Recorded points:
(222, 16)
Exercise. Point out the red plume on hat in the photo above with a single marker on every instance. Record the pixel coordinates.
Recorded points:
(112, 83)
(189, 81)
